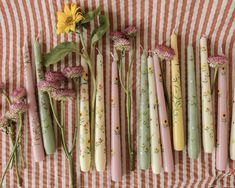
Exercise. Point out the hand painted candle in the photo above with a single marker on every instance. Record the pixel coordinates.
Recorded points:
(232, 134)
(207, 113)
(35, 129)
(116, 159)
(167, 153)
(177, 102)
(85, 147)
(44, 106)
(100, 150)
(193, 126)
(156, 158)
(144, 128)
(222, 120)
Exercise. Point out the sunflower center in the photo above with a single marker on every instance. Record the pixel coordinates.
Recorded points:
(69, 20)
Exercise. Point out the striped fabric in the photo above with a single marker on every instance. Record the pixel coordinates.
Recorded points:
(155, 20)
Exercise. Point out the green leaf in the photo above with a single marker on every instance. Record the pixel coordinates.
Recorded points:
(59, 52)
(90, 15)
(98, 32)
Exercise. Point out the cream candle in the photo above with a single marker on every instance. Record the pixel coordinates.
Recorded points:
(116, 159)
(177, 102)
(156, 158)
(222, 120)
(35, 128)
(232, 133)
(193, 126)
(207, 112)
(100, 150)
(85, 138)
(167, 154)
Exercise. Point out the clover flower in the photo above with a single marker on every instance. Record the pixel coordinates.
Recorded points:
(217, 61)
(48, 86)
(165, 52)
(73, 71)
(130, 31)
(54, 76)
(18, 94)
(122, 44)
(117, 35)
(63, 94)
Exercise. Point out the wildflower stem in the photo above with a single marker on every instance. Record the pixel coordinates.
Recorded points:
(53, 110)
(214, 80)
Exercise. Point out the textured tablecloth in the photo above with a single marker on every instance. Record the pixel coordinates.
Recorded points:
(155, 20)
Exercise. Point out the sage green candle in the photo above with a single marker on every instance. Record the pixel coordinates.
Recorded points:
(44, 107)
(193, 126)
(144, 125)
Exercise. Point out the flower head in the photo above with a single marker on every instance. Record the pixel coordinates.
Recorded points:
(217, 61)
(130, 31)
(165, 52)
(15, 109)
(54, 76)
(63, 94)
(73, 72)
(117, 35)
(18, 94)
(3, 122)
(48, 86)
(68, 19)
(122, 44)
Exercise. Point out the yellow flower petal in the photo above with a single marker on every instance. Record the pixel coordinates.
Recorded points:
(67, 10)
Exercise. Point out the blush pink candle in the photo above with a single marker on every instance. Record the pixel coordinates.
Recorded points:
(116, 170)
(34, 125)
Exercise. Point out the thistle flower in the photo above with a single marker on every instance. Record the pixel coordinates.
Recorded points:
(15, 109)
(122, 44)
(3, 122)
(73, 72)
(117, 35)
(130, 31)
(48, 86)
(54, 76)
(165, 52)
(63, 94)
(217, 61)
(18, 94)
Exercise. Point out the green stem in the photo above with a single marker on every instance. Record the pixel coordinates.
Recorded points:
(214, 80)
(53, 110)
(70, 159)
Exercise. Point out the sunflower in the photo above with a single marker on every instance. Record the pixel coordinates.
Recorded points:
(68, 19)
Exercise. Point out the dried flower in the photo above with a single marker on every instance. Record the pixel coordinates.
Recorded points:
(63, 94)
(3, 122)
(18, 94)
(48, 86)
(165, 52)
(54, 76)
(130, 31)
(117, 35)
(73, 72)
(217, 61)
(122, 44)
(15, 109)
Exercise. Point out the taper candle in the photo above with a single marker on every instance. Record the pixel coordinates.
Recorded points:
(156, 158)
(44, 106)
(207, 112)
(222, 120)
(85, 139)
(193, 124)
(35, 129)
(116, 157)
(100, 150)
(167, 154)
(232, 133)
(177, 101)
(144, 128)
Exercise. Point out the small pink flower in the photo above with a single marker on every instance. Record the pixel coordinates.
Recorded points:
(48, 86)
(116, 35)
(165, 52)
(15, 109)
(122, 44)
(73, 72)
(63, 94)
(18, 94)
(217, 61)
(130, 31)
(3, 122)
(54, 76)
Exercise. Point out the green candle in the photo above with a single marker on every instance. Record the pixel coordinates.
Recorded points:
(144, 128)
(193, 126)
(44, 107)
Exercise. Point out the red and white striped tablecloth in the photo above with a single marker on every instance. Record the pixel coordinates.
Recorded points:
(155, 20)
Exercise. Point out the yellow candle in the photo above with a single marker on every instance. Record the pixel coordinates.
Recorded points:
(177, 102)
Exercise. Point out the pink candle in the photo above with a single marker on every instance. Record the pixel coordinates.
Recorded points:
(34, 124)
(167, 154)
(116, 170)
(222, 120)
